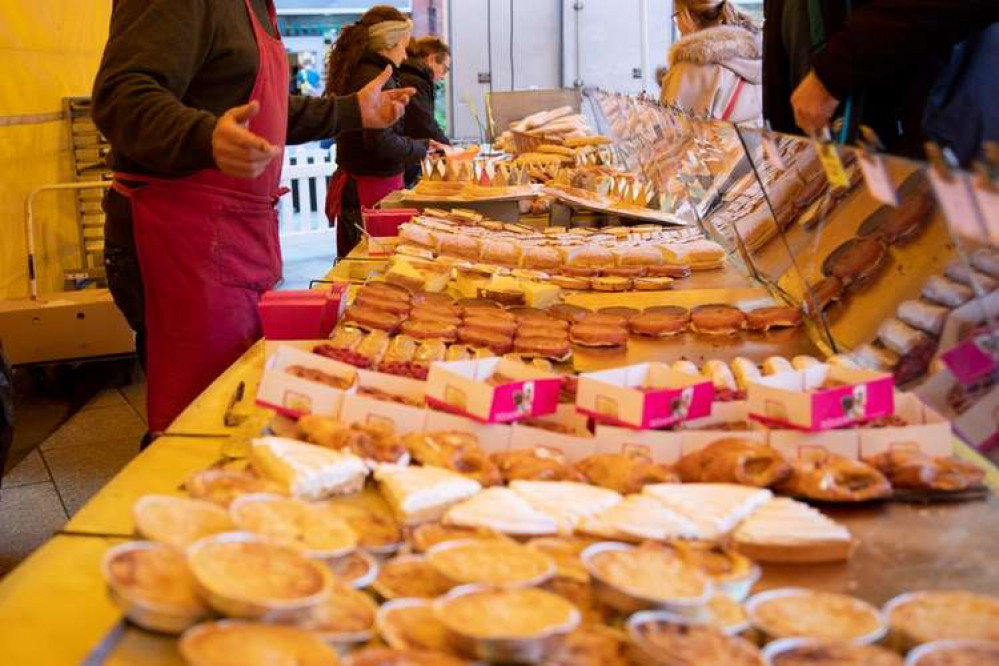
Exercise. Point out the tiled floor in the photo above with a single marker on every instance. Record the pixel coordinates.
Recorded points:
(48, 483)
(51, 484)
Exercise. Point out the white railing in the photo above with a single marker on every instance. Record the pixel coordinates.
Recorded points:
(306, 173)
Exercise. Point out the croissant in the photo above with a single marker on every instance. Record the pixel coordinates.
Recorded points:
(456, 451)
(534, 465)
(918, 471)
(834, 478)
(626, 473)
(734, 460)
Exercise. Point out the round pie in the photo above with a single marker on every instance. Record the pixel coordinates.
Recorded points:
(794, 613)
(498, 563)
(652, 573)
(930, 616)
(178, 521)
(357, 569)
(248, 576)
(347, 614)
(388, 657)
(375, 531)
(222, 486)
(731, 572)
(295, 523)
(428, 535)
(955, 653)
(493, 613)
(250, 644)
(804, 652)
(410, 576)
(156, 578)
(410, 624)
(682, 644)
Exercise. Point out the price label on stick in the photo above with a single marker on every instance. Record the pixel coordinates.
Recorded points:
(988, 203)
(876, 176)
(956, 199)
(832, 165)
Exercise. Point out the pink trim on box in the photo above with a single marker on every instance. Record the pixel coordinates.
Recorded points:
(968, 361)
(283, 411)
(658, 407)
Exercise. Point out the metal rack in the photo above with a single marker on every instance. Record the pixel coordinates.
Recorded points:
(88, 153)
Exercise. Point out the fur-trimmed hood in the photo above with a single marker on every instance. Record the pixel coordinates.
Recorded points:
(732, 47)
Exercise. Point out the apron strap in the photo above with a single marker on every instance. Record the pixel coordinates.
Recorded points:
(730, 109)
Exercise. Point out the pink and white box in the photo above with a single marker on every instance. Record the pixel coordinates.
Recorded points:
(927, 431)
(797, 399)
(402, 419)
(645, 396)
(570, 447)
(461, 387)
(493, 438)
(660, 446)
(700, 433)
(293, 396)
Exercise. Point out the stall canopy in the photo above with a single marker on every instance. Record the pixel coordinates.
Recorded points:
(49, 50)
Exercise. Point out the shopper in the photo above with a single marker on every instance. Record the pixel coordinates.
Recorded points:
(193, 96)
(878, 61)
(370, 163)
(428, 61)
(715, 70)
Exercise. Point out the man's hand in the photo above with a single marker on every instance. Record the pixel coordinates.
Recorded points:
(238, 151)
(382, 108)
(813, 105)
(437, 147)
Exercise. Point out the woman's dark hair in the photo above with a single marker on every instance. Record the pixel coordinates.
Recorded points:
(425, 47)
(351, 45)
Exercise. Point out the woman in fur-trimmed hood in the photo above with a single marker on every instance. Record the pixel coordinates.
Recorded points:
(716, 69)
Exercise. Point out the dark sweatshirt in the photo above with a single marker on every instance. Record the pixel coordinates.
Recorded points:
(384, 152)
(172, 67)
(419, 121)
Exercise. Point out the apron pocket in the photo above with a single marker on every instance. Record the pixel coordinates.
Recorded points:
(247, 247)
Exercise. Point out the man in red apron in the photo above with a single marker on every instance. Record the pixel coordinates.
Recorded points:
(197, 166)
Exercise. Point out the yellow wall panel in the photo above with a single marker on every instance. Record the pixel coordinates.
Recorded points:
(49, 49)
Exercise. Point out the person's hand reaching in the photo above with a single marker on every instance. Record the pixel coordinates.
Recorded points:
(382, 108)
(238, 151)
(436, 146)
(813, 105)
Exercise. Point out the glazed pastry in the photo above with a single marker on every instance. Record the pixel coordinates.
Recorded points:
(900, 338)
(624, 472)
(763, 319)
(457, 451)
(368, 442)
(923, 316)
(717, 320)
(660, 324)
(734, 460)
(776, 365)
(537, 464)
(946, 292)
(745, 371)
(918, 471)
(596, 335)
(834, 478)
(856, 261)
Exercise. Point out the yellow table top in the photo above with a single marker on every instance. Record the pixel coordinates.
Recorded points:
(54, 608)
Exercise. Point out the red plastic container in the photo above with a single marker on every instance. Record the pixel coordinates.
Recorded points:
(305, 314)
(383, 223)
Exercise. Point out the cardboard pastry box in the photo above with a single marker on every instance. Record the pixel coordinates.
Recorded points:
(646, 396)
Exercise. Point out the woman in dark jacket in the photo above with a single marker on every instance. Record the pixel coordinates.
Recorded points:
(370, 163)
(429, 61)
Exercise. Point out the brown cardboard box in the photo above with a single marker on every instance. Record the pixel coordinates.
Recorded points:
(66, 326)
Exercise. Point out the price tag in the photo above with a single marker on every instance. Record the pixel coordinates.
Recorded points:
(878, 181)
(772, 152)
(833, 166)
(988, 203)
(958, 203)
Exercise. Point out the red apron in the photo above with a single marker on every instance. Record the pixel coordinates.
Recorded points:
(208, 247)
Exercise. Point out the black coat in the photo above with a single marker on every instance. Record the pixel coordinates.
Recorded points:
(383, 152)
(887, 55)
(419, 122)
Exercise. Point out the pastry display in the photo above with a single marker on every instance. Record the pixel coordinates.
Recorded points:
(639, 517)
(787, 531)
(371, 442)
(734, 460)
(305, 470)
(375, 531)
(346, 616)
(178, 521)
(253, 644)
(294, 523)
(495, 563)
(833, 478)
(535, 464)
(249, 577)
(805, 652)
(423, 494)
(795, 612)
(674, 642)
(566, 501)
(917, 471)
(922, 617)
(222, 486)
(456, 451)
(625, 473)
(410, 576)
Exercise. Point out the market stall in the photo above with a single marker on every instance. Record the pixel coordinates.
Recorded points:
(510, 441)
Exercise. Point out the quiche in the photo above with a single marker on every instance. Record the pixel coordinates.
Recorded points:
(178, 521)
(410, 576)
(946, 614)
(650, 573)
(295, 523)
(153, 574)
(825, 653)
(506, 614)
(498, 563)
(694, 645)
(803, 613)
(410, 624)
(343, 613)
(251, 644)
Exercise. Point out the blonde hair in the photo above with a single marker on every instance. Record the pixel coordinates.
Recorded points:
(710, 13)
